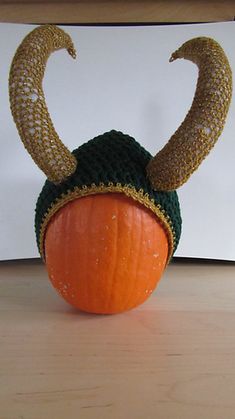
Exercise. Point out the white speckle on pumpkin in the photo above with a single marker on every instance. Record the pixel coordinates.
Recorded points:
(148, 291)
(155, 255)
(113, 217)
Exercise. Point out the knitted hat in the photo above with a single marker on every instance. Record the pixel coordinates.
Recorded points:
(114, 162)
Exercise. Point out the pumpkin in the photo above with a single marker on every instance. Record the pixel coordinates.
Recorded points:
(105, 253)
(108, 218)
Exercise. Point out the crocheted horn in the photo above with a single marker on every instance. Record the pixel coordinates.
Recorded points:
(28, 104)
(196, 136)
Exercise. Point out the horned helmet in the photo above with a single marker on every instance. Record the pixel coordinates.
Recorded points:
(115, 162)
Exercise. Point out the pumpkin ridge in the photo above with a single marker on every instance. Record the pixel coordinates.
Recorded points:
(115, 258)
(137, 259)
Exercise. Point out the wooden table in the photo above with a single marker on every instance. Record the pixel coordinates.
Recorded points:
(172, 358)
(116, 11)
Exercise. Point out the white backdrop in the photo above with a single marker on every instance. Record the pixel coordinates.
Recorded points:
(121, 80)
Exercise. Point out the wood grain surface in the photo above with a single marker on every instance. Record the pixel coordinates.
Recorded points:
(107, 11)
(172, 358)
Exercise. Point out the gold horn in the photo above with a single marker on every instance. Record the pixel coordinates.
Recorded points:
(198, 133)
(28, 104)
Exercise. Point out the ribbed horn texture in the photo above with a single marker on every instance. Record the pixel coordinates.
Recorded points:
(28, 104)
(198, 133)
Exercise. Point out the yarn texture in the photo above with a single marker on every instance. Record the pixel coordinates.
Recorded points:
(204, 123)
(28, 104)
(112, 162)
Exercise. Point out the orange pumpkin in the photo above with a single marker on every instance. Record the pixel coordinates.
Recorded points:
(105, 253)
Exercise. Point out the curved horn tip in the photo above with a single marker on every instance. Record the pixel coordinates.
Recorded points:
(72, 51)
(174, 56)
(60, 38)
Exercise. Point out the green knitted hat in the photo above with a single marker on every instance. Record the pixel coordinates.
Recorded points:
(112, 162)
